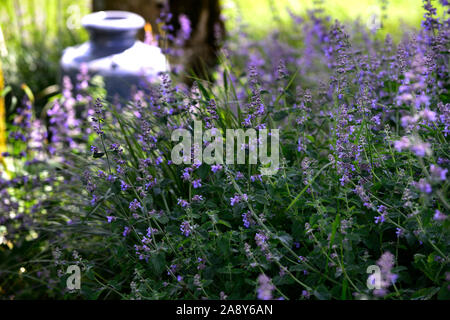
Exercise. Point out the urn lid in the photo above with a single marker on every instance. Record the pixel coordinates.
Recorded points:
(112, 21)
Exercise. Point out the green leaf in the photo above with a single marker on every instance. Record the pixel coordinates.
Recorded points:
(285, 238)
(158, 262)
(334, 228)
(308, 185)
(225, 223)
(322, 293)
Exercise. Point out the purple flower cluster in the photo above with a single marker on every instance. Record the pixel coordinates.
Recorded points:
(238, 199)
(247, 219)
(183, 203)
(383, 213)
(265, 287)
(256, 107)
(261, 241)
(185, 228)
(135, 205)
(386, 263)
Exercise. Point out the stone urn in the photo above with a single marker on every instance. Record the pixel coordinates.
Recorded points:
(114, 53)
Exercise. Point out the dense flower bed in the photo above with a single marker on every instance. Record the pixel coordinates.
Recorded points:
(362, 180)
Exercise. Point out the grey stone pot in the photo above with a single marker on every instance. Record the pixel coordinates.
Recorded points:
(114, 53)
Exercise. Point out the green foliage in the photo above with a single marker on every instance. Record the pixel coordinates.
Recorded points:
(346, 195)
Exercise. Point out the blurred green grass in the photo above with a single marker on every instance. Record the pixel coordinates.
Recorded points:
(23, 21)
(259, 15)
(19, 19)
(33, 34)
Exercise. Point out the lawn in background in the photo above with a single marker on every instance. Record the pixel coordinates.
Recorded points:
(259, 15)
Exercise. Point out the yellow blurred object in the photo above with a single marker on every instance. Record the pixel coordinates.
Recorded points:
(28, 92)
(2, 116)
(149, 39)
(148, 27)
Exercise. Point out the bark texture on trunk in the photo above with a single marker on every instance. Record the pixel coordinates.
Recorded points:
(208, 31)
